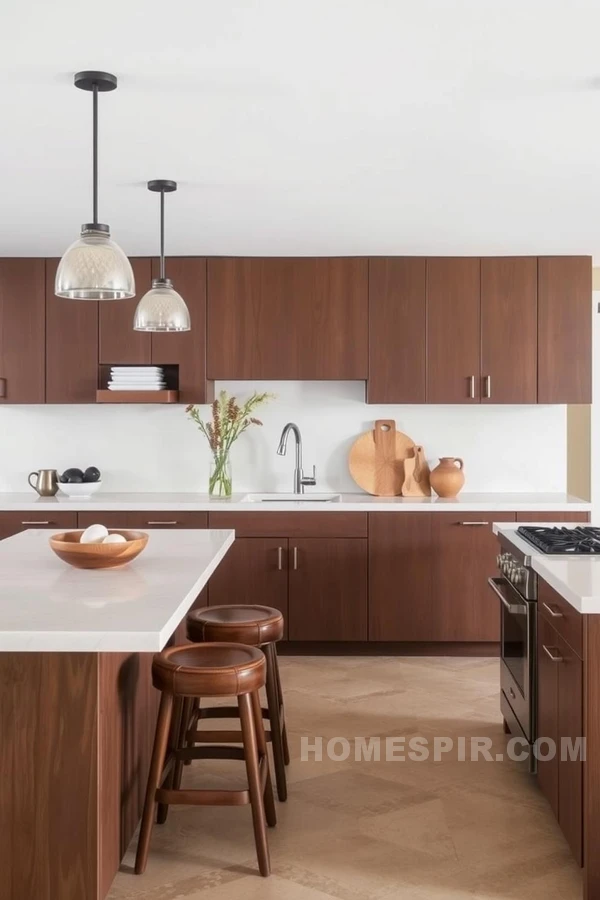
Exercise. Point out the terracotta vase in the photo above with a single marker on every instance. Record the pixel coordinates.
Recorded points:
(447, 479)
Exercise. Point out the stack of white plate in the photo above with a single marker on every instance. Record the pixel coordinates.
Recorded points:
(137, 378)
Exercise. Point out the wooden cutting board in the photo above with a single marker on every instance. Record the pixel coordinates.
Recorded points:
(416, 475)
(377, 457)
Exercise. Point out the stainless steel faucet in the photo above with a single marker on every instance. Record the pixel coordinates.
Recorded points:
(300, 479)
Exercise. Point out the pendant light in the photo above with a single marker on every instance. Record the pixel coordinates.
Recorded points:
(94, 267)
(162, 308)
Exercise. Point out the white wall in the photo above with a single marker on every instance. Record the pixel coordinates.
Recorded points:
(156, 448)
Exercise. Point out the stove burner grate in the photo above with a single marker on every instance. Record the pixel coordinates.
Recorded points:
(579, 539)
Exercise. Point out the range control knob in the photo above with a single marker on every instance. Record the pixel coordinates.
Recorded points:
(519, 576)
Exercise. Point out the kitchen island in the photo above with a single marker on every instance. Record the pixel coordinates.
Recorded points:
(567, 653)
(77, 706)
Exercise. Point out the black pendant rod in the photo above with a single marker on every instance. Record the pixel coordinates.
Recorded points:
(95, 155)
(162, 235)
(162, 186)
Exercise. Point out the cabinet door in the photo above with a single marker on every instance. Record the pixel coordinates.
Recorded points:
(547, 708)
(328, 589)
(255, 570)
(564, 329)
(22, 331)
(453, 330)
(186, 349)
(288, 318)
(463, 556)
(397, 329)
(71, 345)
(570, 728)
(509, 330)
(401, 603)
(119, 343)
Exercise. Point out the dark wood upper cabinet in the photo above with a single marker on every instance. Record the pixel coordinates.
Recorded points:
(281, 319)
(564, 329)
(119, 343)
(509, 330)
(22, 331)
(187, 349)
(453, 330)
(397, 330)
(71, 345)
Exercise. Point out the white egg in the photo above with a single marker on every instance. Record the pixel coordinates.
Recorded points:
(94, 534)
(114, 539)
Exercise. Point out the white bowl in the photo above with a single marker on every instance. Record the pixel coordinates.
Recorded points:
(81, 491)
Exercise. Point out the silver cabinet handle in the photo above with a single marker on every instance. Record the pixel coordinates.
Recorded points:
(174, 522)
(472, 387)
(487, 387)
(45, 522)
(295, 558)
(472, 523)
(549, 652)
(280, 558)
(553, 613)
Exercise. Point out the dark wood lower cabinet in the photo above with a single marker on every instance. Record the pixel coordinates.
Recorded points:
(254, 571)
(428, 576)
(560, 720)
(328, 589)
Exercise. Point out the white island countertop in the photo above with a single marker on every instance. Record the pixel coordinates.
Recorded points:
(47, 605)
(355, 502)
(577, 579)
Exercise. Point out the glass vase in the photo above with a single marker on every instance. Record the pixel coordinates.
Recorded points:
(219, 478)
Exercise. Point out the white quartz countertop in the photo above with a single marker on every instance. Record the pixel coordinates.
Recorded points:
(358, 502)
(577, 579)
(48, 605)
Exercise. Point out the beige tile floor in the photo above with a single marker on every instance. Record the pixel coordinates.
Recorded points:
(445, 830)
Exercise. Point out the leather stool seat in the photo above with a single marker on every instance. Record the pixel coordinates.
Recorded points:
(209, 670)
(253, 625)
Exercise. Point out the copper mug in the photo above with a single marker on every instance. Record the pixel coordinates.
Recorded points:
(46, 483)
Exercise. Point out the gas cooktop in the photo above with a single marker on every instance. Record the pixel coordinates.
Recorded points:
(576, 540)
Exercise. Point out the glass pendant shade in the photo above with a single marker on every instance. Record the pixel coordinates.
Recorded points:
(94, 268)
(162, 309)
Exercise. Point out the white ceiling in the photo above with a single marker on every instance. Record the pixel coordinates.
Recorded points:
(318, 126)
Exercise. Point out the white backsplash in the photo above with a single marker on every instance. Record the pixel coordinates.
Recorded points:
(156, 448)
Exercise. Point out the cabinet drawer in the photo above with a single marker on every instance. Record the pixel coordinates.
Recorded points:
(142, 520)
(13, 522)
(293, 525)
(561, 615)
(167, 520)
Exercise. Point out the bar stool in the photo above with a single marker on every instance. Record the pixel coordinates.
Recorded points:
(183, 674)
(256, 626)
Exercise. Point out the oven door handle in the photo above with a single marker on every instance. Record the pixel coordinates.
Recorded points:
(515, 609)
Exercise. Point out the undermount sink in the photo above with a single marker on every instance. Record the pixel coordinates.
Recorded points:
(292, 498)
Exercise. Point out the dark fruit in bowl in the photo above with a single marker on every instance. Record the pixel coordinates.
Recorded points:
(72, 476)
(91, 474)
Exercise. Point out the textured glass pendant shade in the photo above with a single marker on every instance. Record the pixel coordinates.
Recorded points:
(94, 268)
(162, 309)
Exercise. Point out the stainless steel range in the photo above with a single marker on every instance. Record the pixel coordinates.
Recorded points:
(517, 589)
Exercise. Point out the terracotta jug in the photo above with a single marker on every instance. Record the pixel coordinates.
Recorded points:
(446, 479)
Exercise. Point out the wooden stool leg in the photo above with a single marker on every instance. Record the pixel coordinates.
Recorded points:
(195, 709)
(275, 721)
(157, 762)
(270, 811)
(186, 714)
(254, 788)
(162, 810)
(286, 749)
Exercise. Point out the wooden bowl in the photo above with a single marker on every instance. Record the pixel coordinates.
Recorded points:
(67, 546)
